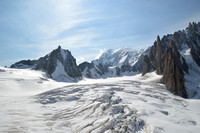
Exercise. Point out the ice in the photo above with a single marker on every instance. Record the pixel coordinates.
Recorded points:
(31, 102)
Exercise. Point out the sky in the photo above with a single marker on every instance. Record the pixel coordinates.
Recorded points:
(30, 29)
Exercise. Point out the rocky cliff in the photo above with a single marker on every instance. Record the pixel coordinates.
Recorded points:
(59, 65)
(176, 57)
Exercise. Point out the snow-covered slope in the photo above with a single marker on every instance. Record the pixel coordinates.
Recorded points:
(31, 102)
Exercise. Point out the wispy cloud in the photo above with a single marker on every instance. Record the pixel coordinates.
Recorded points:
(42, 25)
(53, 18)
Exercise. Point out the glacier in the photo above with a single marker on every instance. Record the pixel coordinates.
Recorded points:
(32, 102)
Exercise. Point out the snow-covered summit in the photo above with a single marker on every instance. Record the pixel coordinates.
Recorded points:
(124, 61)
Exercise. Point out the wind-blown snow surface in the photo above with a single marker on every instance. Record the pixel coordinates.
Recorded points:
(30, 102)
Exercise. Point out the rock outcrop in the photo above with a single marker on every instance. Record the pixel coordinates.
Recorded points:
(159, 54)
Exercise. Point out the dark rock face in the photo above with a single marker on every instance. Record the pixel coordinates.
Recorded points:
(159, 54)
(50, 62)
(146, 65)
(165, 58)
(173, 75)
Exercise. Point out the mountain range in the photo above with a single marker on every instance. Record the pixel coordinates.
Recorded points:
(175, 56)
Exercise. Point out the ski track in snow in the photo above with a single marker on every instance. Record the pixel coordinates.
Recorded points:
(125, 104)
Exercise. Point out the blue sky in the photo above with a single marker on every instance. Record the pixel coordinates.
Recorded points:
(30, 29)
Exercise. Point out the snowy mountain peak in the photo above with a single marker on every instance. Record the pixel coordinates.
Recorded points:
(119, 57)
(60, 65)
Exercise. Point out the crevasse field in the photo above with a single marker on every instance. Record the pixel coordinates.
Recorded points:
(31, 102)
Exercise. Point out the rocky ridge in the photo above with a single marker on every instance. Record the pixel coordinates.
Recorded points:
(174, 57)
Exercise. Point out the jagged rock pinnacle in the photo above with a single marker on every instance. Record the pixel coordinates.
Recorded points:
(59, 47)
